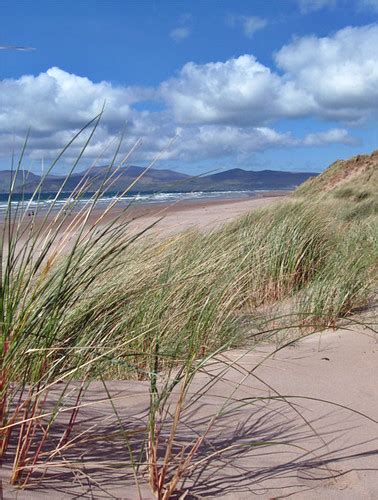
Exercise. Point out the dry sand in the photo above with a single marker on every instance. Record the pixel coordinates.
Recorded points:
(203, 215)
(160, 219)
(322, 449)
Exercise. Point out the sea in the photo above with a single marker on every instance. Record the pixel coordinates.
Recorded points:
(54, 202)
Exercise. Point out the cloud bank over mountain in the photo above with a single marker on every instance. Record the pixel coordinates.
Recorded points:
(216, 109)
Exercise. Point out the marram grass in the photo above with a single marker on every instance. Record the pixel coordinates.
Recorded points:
(191, 290)
(84, 300)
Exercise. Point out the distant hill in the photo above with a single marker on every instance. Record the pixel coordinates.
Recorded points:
(356, 176)
(238, 179)
(155, 180)
(23, 178)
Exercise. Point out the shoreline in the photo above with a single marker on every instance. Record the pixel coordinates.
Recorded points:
(147, 204)
(202, 215)
(145, 209)
(205, 213)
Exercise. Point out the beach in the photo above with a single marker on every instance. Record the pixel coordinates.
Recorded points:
(188, 250)
(156, 218)
(306, 427)
(318, 440)
(204, 215)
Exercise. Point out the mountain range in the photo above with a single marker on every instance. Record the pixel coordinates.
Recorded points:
(156, 180)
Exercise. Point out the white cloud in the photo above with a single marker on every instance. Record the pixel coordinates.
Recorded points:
(56, 104)
(240, 91)
(249, 24)
(57, 99)
(332, 136)
(180, 33)
(340, 73)
(214, 141)
(221, 108)
(333, 78)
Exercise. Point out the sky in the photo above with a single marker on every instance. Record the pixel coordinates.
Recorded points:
(198, 85)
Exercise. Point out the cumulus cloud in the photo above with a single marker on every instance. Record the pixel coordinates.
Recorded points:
(339, 72)
(212, 141)
(57, 99)
(332, 136)
(238, 91)
(249, 24)
(218, 108)
(333, 78)
(56, 104)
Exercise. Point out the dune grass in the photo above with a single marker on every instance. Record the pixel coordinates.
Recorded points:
(192, 290)
(48, 260)
(83, 300)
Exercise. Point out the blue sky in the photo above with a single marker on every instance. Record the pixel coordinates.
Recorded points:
(280, 84)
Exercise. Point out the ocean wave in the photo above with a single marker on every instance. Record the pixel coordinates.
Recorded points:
(32, 204)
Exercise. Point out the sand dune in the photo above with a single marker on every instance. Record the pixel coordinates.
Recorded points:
(318, 441)
(320, 449)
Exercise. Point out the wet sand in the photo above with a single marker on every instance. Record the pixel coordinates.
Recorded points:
(159, 219)
(182, 215)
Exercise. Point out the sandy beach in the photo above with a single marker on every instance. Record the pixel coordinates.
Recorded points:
(188, 250)
(158, 219)
(317, 437)
(202, 215)
(320, 437)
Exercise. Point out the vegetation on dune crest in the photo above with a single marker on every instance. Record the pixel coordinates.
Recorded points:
(81, 301)
(196, 287)
(345, 178)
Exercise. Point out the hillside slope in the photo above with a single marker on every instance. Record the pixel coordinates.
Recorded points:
(155, 180)
(238, 178)
(356, 177)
